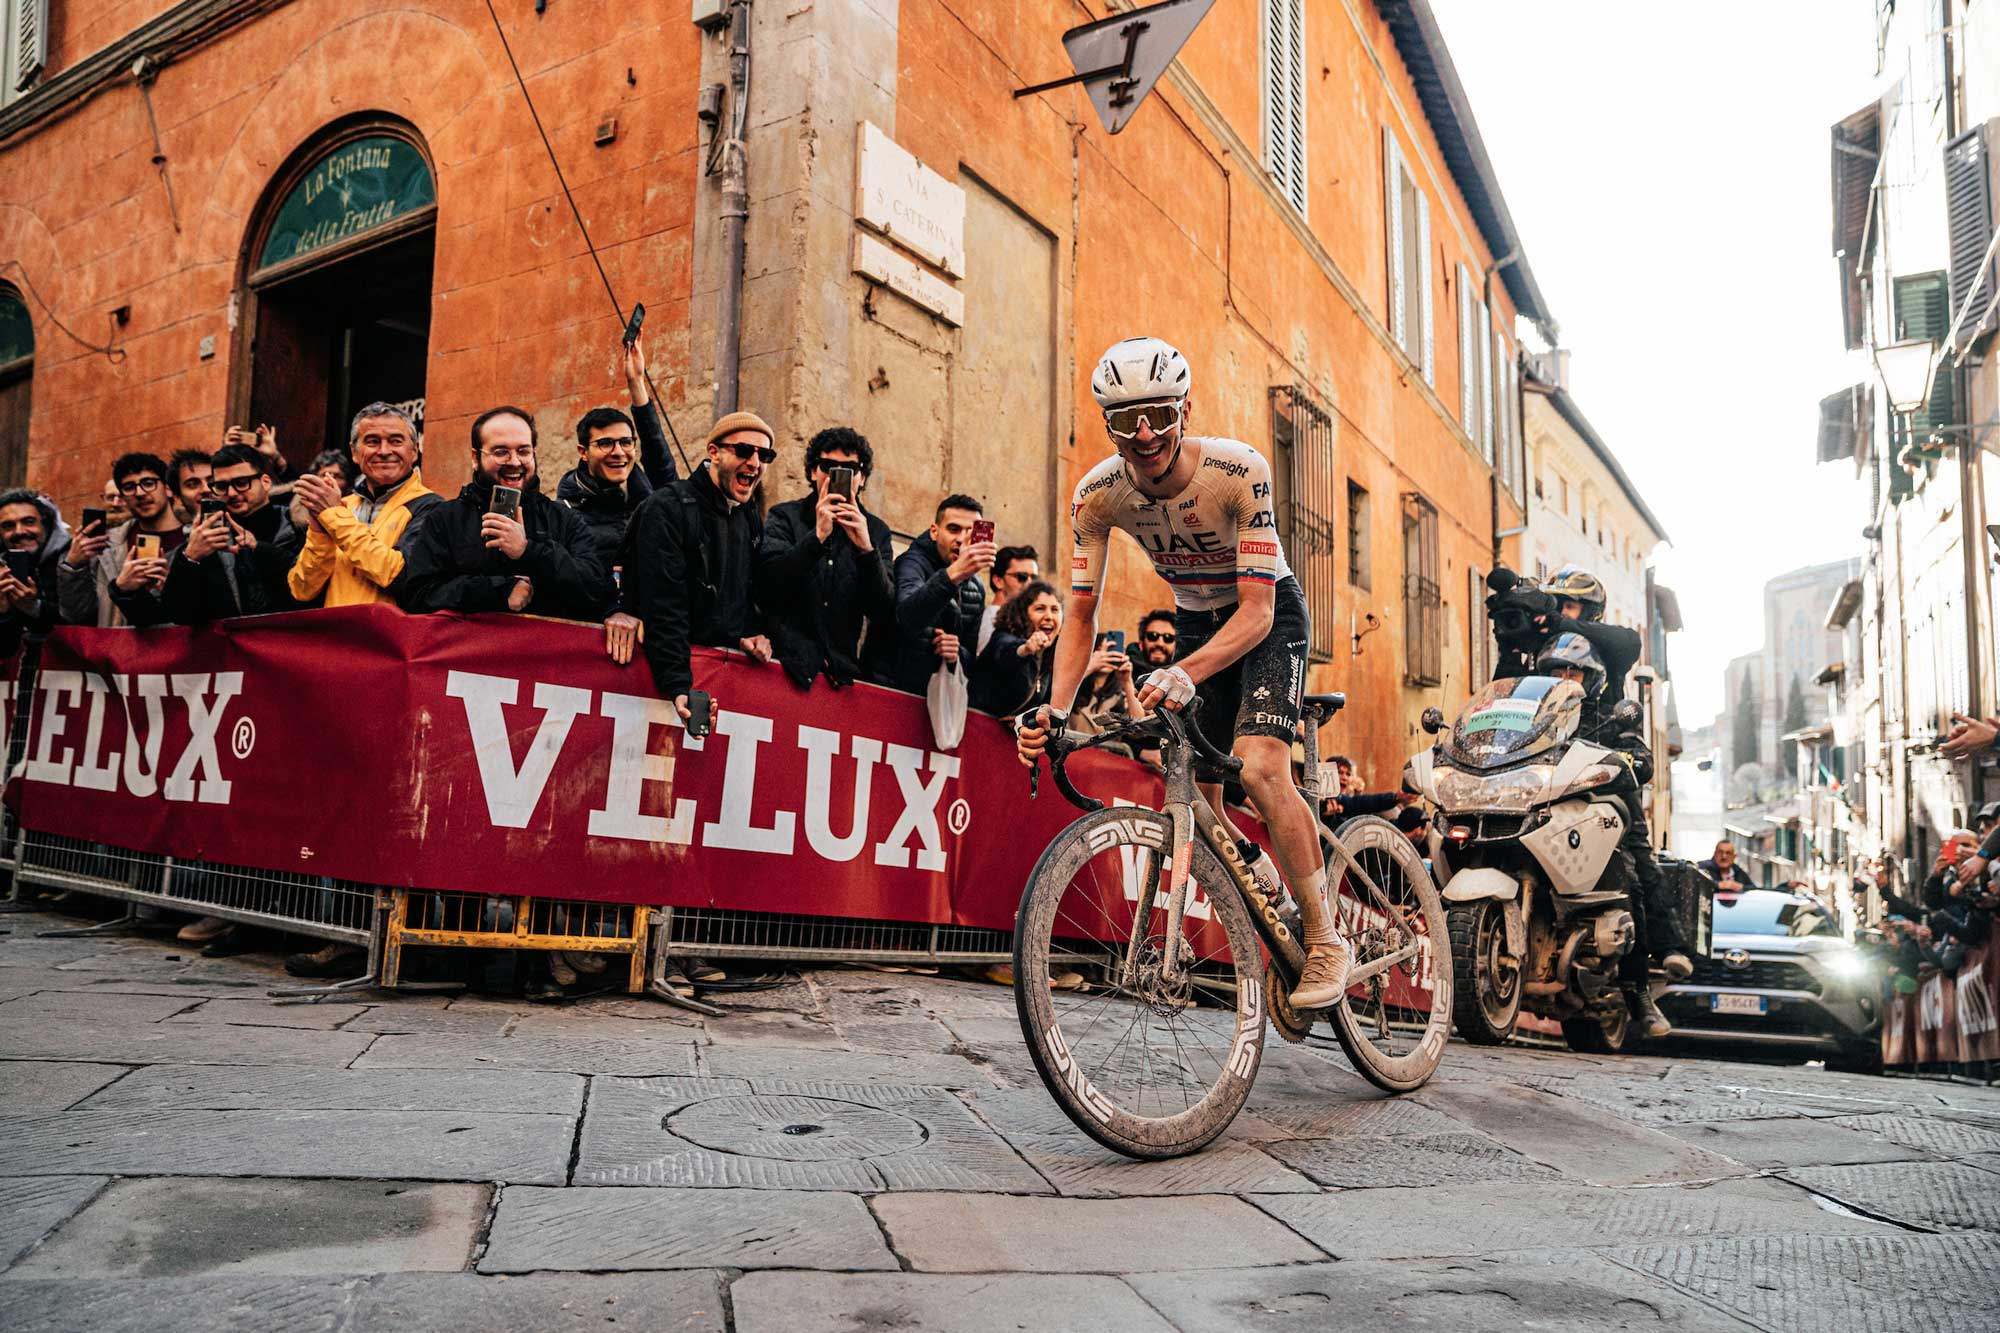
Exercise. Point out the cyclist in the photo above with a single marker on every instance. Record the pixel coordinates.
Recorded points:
(1574, 658)
(1201, 509)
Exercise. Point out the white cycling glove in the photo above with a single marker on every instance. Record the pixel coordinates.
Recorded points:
(1174, 683)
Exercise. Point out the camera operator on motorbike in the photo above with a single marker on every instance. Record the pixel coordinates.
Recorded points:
(1571, 657)
(1201, 509)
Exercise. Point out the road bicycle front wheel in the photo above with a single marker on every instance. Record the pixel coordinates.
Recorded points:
(1394, 1024)
(1147, 1065)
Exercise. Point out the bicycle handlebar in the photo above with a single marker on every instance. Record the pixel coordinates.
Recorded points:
(1161, 725)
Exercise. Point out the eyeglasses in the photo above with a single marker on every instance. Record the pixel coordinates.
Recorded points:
(140, 486)
(1124, 422)
(763, 453)
(241, 485)
(1018, 576)
(612, 442)
(1154, 636)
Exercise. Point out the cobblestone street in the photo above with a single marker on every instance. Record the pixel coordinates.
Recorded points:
(872, 1150)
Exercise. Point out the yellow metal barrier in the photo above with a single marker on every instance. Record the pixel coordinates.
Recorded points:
(488, 921)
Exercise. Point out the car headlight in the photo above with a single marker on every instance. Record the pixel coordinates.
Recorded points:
(1848, 966)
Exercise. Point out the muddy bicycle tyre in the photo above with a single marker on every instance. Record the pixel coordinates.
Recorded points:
(1146, 1068)
(1396, 1048)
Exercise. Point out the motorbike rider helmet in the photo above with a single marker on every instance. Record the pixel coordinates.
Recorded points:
(1143, 379)
(1572, 652)
(1573, 583)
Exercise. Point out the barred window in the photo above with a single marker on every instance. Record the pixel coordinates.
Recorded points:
(1303, 478)
(1359, 571)
(1423, 612)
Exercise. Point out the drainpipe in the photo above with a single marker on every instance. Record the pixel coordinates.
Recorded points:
(735, 212)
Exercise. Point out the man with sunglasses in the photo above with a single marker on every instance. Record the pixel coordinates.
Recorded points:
(103, 564)
(691, 556)
(1155, 641)
(1201, 510)
(234, 562)
(1014, 568)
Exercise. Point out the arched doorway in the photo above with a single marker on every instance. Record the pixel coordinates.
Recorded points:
(336, 285)
(17, 383)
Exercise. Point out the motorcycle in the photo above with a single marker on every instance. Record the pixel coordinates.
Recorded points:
(1525, 842)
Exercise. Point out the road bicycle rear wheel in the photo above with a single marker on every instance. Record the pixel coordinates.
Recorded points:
(1394, 1024)
(1148, 1067)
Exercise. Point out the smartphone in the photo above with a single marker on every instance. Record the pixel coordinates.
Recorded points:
(97, 516)
(840, 481)
(982, 529)
(1113, 639)
(147, 546)
(212, 505)
(21, 564)
(701, 713)
(634, 324)
(506, 502)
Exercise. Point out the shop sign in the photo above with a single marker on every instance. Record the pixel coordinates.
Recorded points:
(909, 203)
(358, 187)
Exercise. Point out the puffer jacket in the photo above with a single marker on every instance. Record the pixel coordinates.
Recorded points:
(447, 565)
(355, 560)
(38, 620)
(690, 560)
(927, 599)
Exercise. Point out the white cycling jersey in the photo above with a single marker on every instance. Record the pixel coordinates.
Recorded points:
(1214, 534)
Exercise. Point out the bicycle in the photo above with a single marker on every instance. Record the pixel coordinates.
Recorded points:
(1095, 1046)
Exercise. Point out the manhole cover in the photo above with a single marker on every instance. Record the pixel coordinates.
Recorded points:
(796, 1129)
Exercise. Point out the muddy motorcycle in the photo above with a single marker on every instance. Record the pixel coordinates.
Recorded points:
(1525, 841)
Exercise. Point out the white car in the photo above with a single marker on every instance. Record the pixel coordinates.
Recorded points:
(1779, 974)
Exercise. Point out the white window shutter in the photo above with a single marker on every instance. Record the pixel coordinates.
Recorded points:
(1295, 85)
(1426, 317)
(1392, 217)
(1486, 379)
(1468, 362)
(1285, 97)
(31, 45)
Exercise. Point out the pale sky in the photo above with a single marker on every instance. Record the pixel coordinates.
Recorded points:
(1667, 166)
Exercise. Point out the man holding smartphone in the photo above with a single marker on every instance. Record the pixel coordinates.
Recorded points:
(110, 565)
(502, 545)
(823, 567)
(939, 599)
(34, 541)
(239, 550)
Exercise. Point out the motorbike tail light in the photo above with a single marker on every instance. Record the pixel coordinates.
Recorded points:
(1459, 833)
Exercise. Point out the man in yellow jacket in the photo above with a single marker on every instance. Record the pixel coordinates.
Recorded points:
(350, 549)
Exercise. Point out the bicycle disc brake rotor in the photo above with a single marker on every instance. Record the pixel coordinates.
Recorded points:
(1152, 989)
(1292, 1025)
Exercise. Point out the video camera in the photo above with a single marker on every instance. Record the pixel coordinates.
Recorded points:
(1513, 606)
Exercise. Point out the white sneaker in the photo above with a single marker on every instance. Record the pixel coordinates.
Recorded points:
(1324, 981)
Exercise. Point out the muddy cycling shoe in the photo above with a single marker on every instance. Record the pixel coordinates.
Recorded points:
(1324, 980)
(1652, 1023)
(1678, 966)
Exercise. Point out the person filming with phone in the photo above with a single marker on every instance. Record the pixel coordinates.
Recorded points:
(502, 545)
(939, 596)
(823, 570)
(111, 563)
(239, 549)
(35, 542)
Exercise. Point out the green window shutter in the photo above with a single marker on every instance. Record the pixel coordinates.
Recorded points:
(1923, 310)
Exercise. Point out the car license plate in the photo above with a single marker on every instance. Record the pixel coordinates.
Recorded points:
(1736, 1004)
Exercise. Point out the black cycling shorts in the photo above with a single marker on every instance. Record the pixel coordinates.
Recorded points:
(1262, 693)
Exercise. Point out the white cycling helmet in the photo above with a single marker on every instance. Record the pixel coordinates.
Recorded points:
(1138, 370)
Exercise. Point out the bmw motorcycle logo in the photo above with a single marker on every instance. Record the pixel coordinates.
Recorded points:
(1575, 840)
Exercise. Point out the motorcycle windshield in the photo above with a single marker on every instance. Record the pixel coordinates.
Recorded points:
(1512, 720)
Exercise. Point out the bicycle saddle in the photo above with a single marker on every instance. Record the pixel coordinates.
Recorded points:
(1327, 703)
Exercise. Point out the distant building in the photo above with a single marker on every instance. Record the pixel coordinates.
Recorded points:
(1797, 647)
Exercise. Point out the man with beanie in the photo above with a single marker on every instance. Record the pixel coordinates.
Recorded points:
(690, 558)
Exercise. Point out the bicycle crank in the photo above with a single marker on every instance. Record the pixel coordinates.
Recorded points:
(1291, 1024)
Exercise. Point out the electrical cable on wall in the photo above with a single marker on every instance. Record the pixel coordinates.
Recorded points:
(658, 405)
(115, 355)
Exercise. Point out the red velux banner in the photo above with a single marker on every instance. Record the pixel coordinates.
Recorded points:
(505, 754)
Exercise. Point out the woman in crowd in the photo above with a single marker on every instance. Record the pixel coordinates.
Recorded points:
(1013, 674)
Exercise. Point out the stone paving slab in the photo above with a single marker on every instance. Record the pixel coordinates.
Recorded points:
(720, 1133)
(1437, 1159)
(1583, 1142)
(31, 1206)
(178, 1043)
(48, 1085)
(428, 1145)
(1931, 1134)
(622, 1229)
(1550, 1290)
(213, 1305)
(200, 1087)
(1836, 1284)
(404, 1016)
(390, 1303)
(942, 1071)
(963, 1233)
(1926, 1194)
(577, 1053)
(1769, 1144)
(1078, 1167)
(1481, 1218)
(1334, 1117)
(816, 1302)
(92, 1009)
(183, 1228)
(247, 1012)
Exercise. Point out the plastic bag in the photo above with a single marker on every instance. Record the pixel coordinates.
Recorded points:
(947, 699)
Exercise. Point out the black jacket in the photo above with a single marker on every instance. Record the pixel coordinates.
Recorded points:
(926, 599)
(819, 595)
(447, 565)
(607, 510)
(690, 560)
(1618, 646)
(1743, 880)
(224, 583)
(1003, 682)
(47, 613)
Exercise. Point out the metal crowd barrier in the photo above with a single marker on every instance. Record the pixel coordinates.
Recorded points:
(487, 921)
